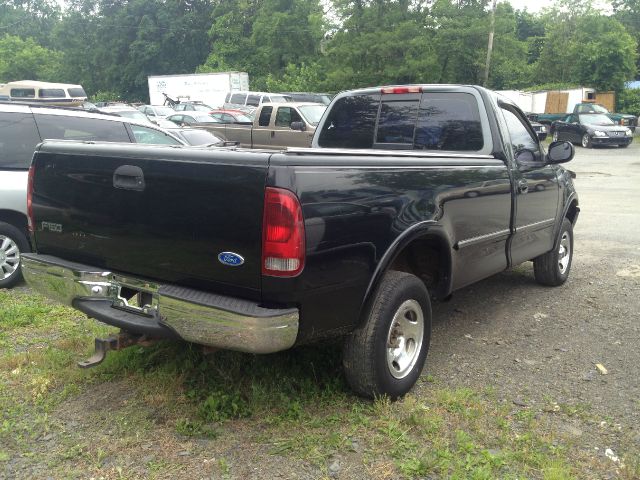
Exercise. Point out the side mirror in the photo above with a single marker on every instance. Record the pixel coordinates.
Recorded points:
(298, 126)
(560, 152)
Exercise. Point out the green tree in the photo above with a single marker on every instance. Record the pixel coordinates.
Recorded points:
(26, 60)
(265, 38)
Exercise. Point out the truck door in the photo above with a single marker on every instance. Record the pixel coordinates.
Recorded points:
(536, 190)
(283, 135)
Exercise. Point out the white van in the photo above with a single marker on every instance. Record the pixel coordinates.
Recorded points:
(254, 99)
(63, 94)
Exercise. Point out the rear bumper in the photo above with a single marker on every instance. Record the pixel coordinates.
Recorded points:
(169, 311)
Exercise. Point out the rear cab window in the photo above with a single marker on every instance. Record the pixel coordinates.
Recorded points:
(430, 120)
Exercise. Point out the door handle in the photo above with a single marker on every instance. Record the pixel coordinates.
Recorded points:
(129, 177)
(523, 186)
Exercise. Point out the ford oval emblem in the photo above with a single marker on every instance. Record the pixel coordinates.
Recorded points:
(230, 259)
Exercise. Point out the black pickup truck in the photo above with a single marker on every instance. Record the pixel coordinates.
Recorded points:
(408, 193)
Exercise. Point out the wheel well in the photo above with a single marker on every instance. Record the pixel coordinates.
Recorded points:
(572, 212)
(14, 218)
(427, 259)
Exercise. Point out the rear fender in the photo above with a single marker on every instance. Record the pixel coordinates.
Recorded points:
(427, 230)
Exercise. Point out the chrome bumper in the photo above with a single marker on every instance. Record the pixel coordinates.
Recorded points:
(196, 316)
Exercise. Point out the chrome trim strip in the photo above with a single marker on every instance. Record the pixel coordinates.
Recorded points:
(536, 225)
(384, 153)
(239, 325)
(467, 242)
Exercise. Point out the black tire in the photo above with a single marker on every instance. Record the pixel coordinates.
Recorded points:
(11, 238)
(586, 141)
(367, 356)
(552, 268)
(624, 145)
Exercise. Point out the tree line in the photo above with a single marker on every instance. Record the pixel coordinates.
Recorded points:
(111, 46)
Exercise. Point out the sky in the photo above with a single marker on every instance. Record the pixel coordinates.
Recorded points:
(534, 6)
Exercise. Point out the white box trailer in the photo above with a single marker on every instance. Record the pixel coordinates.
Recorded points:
(209, 88)
(553, 101)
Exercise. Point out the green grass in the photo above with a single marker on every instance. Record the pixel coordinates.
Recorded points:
(296, 404)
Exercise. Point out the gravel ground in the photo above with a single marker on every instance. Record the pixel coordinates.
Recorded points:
(539, 346)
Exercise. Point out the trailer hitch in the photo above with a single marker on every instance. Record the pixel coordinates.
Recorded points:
(114, 342)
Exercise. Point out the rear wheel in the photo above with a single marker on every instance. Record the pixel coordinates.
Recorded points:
(586, 141)
(386, 355)
(552, 268)
(12, 243)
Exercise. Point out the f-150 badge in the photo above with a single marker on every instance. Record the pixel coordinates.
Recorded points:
(230, 259)
(52, 227)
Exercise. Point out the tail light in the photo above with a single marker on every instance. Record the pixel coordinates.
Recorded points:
(30, 220)
(282, 234)
(407, 89)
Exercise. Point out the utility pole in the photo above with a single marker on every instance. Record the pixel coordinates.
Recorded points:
(492, 29)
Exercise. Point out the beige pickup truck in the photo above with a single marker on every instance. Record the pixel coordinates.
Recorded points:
(276, 125)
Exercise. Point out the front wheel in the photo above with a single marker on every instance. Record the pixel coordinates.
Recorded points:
(385, 356)
(586, 141)
(552, 268)
(12, 243)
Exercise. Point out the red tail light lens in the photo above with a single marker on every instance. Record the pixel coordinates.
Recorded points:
(30, 199)
(282, 234)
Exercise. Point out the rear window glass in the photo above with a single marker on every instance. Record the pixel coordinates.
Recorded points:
(350, 123)
(18, 139)
(23, 92)
(79, 128)
(51, 93)
(397, 122)
(448, 121)
(440, 121)
(76, 92)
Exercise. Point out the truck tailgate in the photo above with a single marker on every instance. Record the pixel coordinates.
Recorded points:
(161, 212)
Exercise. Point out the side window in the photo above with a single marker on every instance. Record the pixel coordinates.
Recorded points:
(350, 123)
(64, 127)
(177, 119)
(188, 119)
(238, 98)
(521, 138)
(51, 93)
(179, 108)
(265, 116)
(285, 116)
(253, 100)
(23, 92)
(18, 139)
(227, 118)
(217, 115)
(448, 121)
(151, 136)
